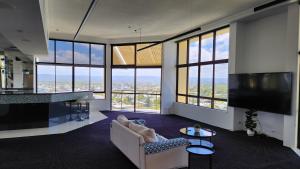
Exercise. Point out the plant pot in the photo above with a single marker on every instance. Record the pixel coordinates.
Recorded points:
(250, 132)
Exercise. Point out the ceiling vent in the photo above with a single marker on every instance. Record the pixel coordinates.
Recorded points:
(269, 4)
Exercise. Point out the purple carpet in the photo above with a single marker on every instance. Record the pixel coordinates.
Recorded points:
(90, 148)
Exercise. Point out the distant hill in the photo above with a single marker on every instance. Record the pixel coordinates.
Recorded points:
(128, 79)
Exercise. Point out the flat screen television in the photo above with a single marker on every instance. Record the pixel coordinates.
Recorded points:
(270, 92)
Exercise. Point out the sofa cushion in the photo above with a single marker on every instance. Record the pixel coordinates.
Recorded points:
(148, 134)
(123, 120)
(151, 148)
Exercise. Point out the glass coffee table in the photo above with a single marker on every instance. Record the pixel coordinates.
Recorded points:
(201, 135)
(199, 150)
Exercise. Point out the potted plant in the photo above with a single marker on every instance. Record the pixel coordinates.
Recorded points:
(250, 123)
(197, 127)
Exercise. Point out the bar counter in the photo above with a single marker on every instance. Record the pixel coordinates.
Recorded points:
(23, 110)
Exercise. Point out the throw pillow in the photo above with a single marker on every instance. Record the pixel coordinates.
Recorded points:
(148, 134)
(123, 120)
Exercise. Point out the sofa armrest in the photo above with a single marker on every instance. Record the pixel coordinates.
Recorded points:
(156, 147)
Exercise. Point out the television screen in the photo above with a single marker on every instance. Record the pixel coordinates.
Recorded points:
(270, 92)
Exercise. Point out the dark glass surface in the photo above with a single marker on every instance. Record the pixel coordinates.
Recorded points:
(201, 142)
(261, 91)
(190, 131)
(200, 150)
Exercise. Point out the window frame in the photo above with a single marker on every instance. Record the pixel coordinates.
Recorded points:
(187, 65)
(135, 67)
(73, 65)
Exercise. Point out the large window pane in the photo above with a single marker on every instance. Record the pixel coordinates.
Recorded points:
(205, 103)
(207, 42)
(82, 80)
(206, 80)
(81, 53)
(193, 100)
(182, 53)
(64, 52)
(150, 56)
(46, 79)
(97, 79)
(123, 80)
(193, 80)
(222, 105)
(50, 56)
(181, 99)
(63, 78)
(148, 80)
(222, 44)
(123, 101)
(194, 50)
(123, 55)
(221, 80)
(146, 103)
(182, 79)
(97, 54)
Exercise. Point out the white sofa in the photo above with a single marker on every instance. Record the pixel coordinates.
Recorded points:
(149, 155)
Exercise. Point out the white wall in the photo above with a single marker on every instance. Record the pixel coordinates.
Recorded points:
(168, 77)
(267, 44)
(262, 49)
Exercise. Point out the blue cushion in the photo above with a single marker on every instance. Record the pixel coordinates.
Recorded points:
(163, 145)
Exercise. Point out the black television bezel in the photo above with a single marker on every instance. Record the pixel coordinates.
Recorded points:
(282, 113)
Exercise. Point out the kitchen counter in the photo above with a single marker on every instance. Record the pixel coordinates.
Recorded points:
(24, 97)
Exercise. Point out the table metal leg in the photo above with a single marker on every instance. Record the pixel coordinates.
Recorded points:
(210, 162)
(189, 161)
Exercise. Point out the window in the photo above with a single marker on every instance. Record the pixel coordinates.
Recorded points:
(82, 78)
(81, 53)
(136, 77)
(64, 52)
(202, 69)
(58, 73)
(46, 79)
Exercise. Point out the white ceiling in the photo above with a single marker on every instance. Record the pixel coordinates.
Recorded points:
(22, 26)
(110, 18)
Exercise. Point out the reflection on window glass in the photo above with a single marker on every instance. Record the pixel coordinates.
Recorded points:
(148, 80)
(221, 80)
(63, 78)
(193, 80)
(97, 79)
(46, 79)
(182, 79)
(181, 99)
(222, 44)
(50, 56)
(222, 105)
(207, 42)
(123, 80)
(182, 53)
(205, 103)
(150, 56)
(81, 53)
(206, 80)
(123, 55)
(193, 50)
(97, 54)
(82, 79)
(64, 52)
(193, 100)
